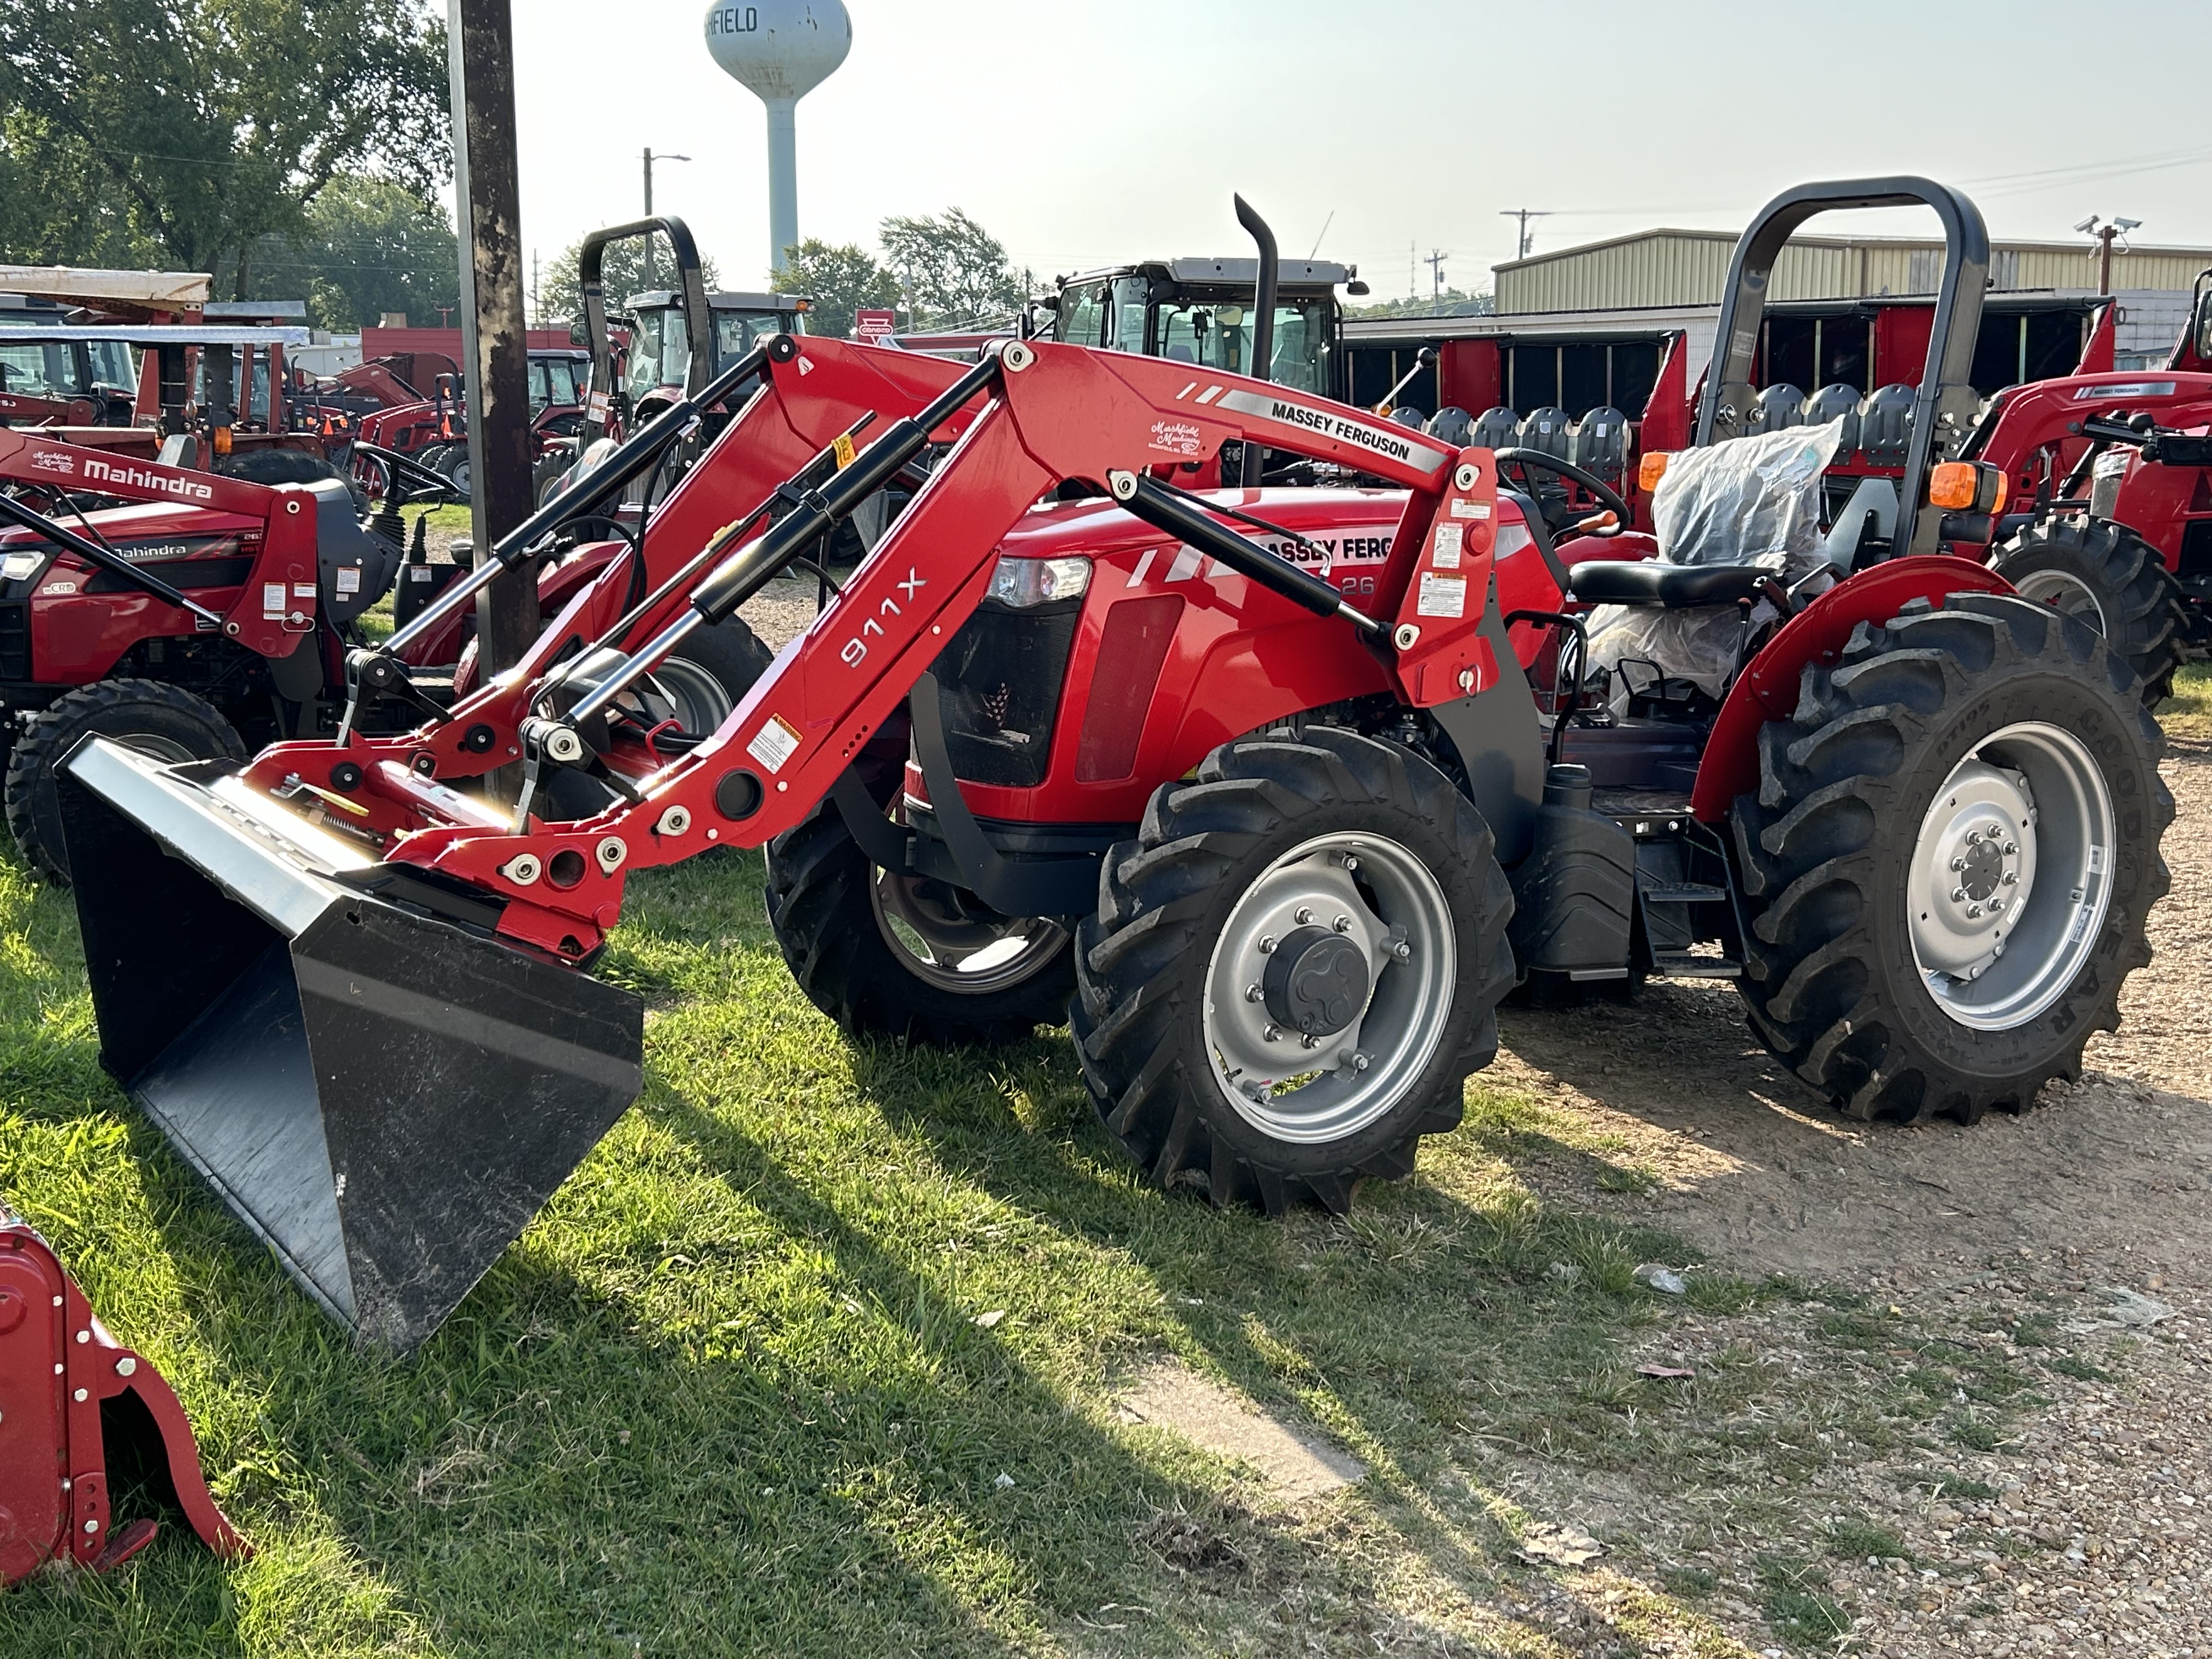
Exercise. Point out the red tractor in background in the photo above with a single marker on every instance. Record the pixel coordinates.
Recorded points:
(1288, 841)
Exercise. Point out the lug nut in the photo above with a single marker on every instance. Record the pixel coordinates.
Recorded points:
(1252, 993)
(1271, 1033)
(1350, 862)
(2011, 848)
(1401, 950)
(1973, 838)
(1342, 924)
(1360, 1062)
(1957, 864)
(1310, 1041)
(1973, 910)
(1996, 905)
(1268, 945)
(2011, 877)
(1958, 895)
(1305, 914)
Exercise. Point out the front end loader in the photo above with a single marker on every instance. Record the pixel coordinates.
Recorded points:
(1288, 816)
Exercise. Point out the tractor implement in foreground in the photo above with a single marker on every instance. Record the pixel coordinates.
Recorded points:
(80, 1414)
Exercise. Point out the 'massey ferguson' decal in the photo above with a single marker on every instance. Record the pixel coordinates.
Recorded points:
(1398, 443)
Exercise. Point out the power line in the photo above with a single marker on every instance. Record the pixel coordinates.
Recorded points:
(1524, 215)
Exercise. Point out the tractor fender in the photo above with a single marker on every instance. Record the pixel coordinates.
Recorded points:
(1767, 688)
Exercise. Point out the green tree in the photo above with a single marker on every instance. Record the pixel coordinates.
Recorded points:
(185, 132)
(560, 297)
(1450, 303)
(841, 282)
(954, 271)
(371, 247)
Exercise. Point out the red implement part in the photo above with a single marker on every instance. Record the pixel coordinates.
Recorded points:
(1767, 690)
(65, 1386)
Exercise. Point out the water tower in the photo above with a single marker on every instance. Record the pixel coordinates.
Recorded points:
(782, 50)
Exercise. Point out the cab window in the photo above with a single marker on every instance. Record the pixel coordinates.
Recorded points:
(38, 370)
(1082, 318)
(1129, 297)
(1219, 335)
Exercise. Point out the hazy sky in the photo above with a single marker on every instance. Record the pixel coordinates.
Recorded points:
(1082, 135)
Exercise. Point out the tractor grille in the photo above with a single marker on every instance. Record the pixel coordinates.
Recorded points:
(1001, 677)
(15, 641)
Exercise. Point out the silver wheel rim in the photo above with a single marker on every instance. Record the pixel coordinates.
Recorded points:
(462, 477)
(695, 699)
(948, 938)
(1314, 1088)
(2065, 592)
(2011, 876)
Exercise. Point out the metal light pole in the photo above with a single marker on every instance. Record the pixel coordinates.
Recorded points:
(494, 331)
(650, 158)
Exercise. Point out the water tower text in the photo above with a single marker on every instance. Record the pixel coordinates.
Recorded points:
(734, 20)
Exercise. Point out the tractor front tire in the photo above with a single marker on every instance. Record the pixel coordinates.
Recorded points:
(1949, 860)
(903, 956)
(1293, 969)
(170, 724)
(2111, 577)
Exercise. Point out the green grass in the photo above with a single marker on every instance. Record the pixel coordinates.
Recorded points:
(2188, 712)
(728, 1394)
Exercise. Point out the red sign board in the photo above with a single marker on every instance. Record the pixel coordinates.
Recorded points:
(874, 327)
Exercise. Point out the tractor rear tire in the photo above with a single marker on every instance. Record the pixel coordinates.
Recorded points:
(900, 957)
(710, 670)
(2111, 578)
(163, 721)
(1227, 1037)
(1901, 957)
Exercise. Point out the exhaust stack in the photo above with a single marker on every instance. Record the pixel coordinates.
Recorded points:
(385, 1095)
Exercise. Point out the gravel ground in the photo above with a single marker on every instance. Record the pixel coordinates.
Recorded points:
(2093, 1542)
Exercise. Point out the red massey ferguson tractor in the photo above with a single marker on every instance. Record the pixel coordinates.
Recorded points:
(1276, 833)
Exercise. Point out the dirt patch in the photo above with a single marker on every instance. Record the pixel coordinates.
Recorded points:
(1295, 1465)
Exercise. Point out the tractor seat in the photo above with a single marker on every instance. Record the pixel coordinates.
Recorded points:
(1653, 582)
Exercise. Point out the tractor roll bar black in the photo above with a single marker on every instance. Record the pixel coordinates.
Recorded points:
(691, 281)
(1263, 323)
(92, 553)
(1945, 399)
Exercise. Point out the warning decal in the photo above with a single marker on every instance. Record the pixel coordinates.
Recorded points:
(774, 744)
(1442, 596)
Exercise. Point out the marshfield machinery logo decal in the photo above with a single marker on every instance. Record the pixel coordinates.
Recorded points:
(1176, 437)
(1398, 443)
(53, 460)
(130, 477)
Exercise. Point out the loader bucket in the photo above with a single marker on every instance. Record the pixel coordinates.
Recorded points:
(385, 1098)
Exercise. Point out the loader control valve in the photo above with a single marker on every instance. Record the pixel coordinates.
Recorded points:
(1316, 981)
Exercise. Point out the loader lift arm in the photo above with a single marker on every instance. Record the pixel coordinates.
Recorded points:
(1053, 413)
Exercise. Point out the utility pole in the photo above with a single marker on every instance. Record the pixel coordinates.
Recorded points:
(537, 298)
(1436, 265)
(650, 158)
(1524, 215)
(2104, 237)
(486, 175)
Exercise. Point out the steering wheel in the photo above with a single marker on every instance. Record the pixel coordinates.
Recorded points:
(1608, 497)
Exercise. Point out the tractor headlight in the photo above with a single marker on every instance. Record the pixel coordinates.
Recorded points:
(21, 567)
(1022, 583)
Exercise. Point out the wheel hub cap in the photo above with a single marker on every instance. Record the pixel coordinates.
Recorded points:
(1330, 987)
(1316, 981)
